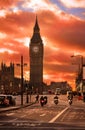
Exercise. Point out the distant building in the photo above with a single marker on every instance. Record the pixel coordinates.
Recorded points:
(8, 82)
(80, 81)
(64, 86)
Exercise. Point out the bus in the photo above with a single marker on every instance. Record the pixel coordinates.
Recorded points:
(58, 91)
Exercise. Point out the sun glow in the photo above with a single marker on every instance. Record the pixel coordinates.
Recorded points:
(3, 13)
(24, 40)
(2, 50)
(2, 35)
(26, 75)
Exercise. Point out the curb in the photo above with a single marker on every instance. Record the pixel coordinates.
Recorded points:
(16, 108)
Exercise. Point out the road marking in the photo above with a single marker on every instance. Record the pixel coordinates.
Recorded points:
(12, 120)
(43, 115)
(51, 121)
(22, 116)
(10, 114)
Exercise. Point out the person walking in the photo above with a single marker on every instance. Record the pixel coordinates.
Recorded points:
(37, 98)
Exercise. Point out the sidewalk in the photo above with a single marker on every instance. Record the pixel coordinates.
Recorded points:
(77, 102)
(4, 109)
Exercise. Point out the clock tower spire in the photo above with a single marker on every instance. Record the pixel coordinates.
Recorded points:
(36, 59)
(36, 27)
(36, 34)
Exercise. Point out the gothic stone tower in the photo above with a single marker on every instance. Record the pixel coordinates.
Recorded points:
(36, 60)
(7, 77)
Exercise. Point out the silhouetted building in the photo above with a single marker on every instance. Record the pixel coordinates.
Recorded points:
(9, 84)
(36, 60)
(64, 87)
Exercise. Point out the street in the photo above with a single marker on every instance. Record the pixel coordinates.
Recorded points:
(50, 116)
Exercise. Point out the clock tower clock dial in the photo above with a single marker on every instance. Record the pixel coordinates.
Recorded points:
(35, 49)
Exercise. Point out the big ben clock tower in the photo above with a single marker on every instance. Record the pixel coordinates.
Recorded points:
(36, 60)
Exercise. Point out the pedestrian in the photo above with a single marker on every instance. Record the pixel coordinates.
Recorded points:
(37, 98)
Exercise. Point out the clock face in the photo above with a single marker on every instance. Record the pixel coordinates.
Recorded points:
(35, 49)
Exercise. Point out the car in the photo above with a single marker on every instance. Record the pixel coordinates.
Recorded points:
(3, 100)
(12, 100)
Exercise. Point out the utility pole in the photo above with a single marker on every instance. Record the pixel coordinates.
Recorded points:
(21, 80)
(22, 90)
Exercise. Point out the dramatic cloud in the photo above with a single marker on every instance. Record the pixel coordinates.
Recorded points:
(63, 35)
(7, 3)
(33, 5)
(74, 3)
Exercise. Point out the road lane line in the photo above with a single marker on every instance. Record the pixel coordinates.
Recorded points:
(43, 115)
(52, 120)
(12, 120)
(10, 114)
(23, 116)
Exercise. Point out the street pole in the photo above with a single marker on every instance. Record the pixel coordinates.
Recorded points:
(82, 73)
(22, 90)
(21, 80)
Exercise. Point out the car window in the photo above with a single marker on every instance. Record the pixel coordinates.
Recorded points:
(2, 98)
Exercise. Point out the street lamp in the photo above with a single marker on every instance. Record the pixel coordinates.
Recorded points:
(21, 65)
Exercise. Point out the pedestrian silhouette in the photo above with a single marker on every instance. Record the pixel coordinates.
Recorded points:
(37, 98)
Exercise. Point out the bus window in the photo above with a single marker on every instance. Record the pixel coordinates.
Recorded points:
(57, 91)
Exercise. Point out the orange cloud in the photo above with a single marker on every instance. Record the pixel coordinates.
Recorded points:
(6, 3)
(65, 33)
(62, 35)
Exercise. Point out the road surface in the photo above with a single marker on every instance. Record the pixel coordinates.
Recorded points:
(51, 116)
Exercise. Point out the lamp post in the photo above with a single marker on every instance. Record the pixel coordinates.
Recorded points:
(21, 65)
(21, 80)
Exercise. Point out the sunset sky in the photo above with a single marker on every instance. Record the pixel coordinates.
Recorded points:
(62, 29)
